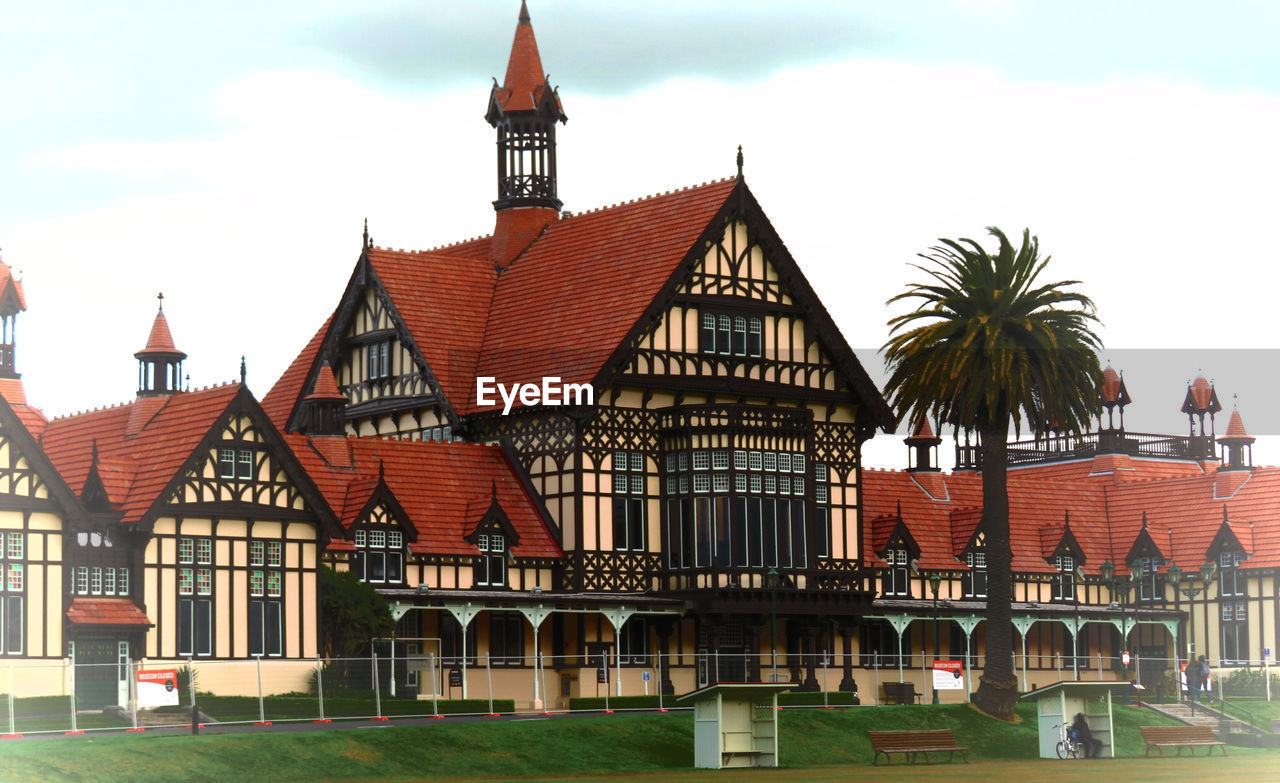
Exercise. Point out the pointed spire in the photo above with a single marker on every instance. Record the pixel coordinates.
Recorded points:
(739, 161)
(524, 12)
(382, 470)
(493, 488)
(326, 387)
(1144, 519)
(244, 370)
(366, 245)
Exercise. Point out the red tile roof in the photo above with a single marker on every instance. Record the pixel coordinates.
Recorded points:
(106, 611)
(593, 271)
(486, 323)
(136, 467)
(1236, 431)
(325, 388)
(444, 488)
(1110, 384)
(1184, 511)
(9, 285)
(160, 341)
(525, 83)
(32, 418)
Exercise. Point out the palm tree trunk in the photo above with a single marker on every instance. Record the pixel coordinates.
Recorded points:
(998, 689)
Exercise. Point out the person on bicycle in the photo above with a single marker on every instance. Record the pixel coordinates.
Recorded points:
(1092, 745)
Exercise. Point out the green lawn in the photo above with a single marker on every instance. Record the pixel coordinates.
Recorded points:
(643, 745)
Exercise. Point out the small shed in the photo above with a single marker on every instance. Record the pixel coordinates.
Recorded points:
(1059, 703)
(736, 724)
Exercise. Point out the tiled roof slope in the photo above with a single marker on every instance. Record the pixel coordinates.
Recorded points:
(1184, 514)
(444, 302)
(286, 391)
(135, 468)
(597, 272)
(31, 417)
(439, 486)
(11, 285)
(106, 611)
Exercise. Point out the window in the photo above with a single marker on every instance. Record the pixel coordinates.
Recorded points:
(204, 551)
(186, 581)
(186, 550)
(379, 556)
(633, 647)
(897, 578)
(244, 460)
(731, 335)
(235, 463)
(1235, 633)
(380, 360)
(227, 463)
(975, 582)
(1230, 581)
(12, 589)
(13, 551)
(491, 565)
(743, 512)
(1150, 587)
(204, 581)
(506, 638)
(195, 624)
(820, 501)
(452, 641)
(266, 588)
(1064, 584)
(95, 581)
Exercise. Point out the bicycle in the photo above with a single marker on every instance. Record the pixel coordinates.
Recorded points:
(1069, 746)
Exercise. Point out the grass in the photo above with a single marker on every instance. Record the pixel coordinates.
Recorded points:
(649, 746)
(1263, 711)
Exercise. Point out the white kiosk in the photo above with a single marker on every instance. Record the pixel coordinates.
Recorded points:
(1059, 703)
(736, 724)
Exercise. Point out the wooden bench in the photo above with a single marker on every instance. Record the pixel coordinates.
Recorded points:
(913, 743)
(1161, 737)
(900, 693)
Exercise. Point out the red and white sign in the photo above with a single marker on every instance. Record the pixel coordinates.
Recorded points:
(158, 688)
(948, 675)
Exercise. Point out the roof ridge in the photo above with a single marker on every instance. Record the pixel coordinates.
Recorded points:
(651, 196)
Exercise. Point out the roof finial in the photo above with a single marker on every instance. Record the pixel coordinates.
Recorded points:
(1144, 520)
(739, 161)
(1066, 517)
(382, 470)
(244, 370)
(160, 296)
(1224, 513)
(188, 381)
(93, 455)
(899, 510)
(524, 13)
(366, 233)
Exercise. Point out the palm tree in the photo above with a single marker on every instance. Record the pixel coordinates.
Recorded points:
(986, 344)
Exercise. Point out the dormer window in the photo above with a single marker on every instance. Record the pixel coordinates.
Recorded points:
(975, 582)
(1064, 584)
(1229, 580)
(1149, 587)
(897, 577)
(379, 557)
(491, 565)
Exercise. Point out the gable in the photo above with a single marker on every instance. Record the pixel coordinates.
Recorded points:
(27, 475)
(243, 465)
(739, 309)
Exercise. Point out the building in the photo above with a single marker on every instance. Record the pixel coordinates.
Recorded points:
(603, 451)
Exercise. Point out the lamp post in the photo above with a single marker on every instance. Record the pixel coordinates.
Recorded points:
(1121, 586)
(1191, 590)
(771, 582)
(935, 584)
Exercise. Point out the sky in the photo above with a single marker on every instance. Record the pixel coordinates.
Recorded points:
(228, 153)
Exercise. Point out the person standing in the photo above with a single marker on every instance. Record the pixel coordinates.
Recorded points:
(1204, 678)
(1191, 673)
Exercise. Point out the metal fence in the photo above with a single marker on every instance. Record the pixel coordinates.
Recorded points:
(59, 696)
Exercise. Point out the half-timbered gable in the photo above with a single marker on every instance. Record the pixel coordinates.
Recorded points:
(402, 345)
(36, 508)
(220, 527)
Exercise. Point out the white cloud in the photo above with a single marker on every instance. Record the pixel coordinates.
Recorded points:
(1158, 196)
